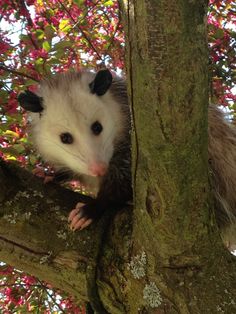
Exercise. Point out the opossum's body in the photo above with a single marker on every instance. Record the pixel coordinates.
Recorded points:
(222, 159)
(73, 103)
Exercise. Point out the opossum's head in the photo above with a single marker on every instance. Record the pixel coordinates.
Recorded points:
(76, 121)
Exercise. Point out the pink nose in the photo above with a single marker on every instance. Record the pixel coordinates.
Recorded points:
(98, 169)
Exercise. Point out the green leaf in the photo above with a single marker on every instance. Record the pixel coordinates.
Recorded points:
(3, 128)
(219, 34)
(62, 44)
(29, 82)
(40, 34)
(39, 61)
(109, 2)
(24, 38)
(33, 159)
(19, 148)
(11, 152)
(49, 12)
(59, 54)
(3, 95)
(64, 25)
(46, 46)
(79, 3)
(10, 133)
(24, 140)
(49, 32)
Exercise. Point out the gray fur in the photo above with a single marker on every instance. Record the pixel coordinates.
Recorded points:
(222, 159)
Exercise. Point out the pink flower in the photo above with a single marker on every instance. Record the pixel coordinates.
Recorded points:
(39, 53)
(4, 47)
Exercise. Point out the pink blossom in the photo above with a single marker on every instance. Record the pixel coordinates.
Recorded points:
(39, 53)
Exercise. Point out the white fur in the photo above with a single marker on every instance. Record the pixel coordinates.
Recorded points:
(70, 107)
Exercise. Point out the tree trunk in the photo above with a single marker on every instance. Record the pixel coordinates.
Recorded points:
(186, 269)
(166, 255)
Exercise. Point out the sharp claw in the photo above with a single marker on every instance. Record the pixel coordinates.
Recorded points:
(79, 223)
(72, 214)
(86, 224)
(78, 219)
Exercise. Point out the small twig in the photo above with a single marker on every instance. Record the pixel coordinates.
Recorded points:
(23, 6)
(114, 33)
(80, 29)
(30, 23)
(3, 67)
(88, 10)
(85, 15)
(18, 284)
(51, 296)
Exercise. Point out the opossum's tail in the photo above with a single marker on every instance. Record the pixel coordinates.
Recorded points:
(222, 158)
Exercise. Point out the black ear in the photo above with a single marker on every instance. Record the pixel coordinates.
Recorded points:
(30, 101)
(101, 83)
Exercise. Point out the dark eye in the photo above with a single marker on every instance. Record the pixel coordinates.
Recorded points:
(66, 138)
(96, 128)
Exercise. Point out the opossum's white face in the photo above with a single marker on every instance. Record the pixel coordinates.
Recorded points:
(77, 129)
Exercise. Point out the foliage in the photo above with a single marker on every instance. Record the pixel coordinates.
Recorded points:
(22, 293)
(41, 37)
(222, 44)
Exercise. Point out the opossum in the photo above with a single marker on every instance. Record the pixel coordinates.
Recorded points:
(81, 122)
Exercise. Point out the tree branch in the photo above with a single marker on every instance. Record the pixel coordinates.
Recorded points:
(81, 30)
(18, 73)
(34, 236)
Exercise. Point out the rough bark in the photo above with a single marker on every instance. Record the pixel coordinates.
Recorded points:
(187, 269)
(35, 237)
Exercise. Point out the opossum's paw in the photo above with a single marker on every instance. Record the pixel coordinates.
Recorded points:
(79, 218)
